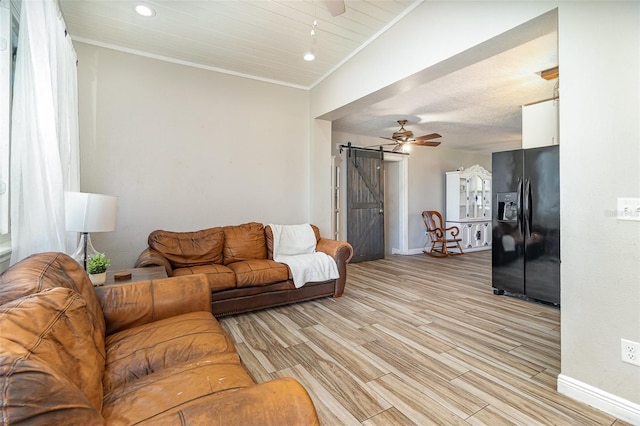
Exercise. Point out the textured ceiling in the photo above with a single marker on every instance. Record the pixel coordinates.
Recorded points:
(477, 107)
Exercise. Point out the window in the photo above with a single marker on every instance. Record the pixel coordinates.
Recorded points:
(8, 45)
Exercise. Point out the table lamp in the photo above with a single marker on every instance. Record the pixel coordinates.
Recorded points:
(85, 213)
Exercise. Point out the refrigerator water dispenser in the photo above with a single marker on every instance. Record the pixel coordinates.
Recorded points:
(507, 206)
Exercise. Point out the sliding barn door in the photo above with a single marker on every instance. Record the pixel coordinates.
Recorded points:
(365, 204)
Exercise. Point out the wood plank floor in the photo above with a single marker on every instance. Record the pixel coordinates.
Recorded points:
(417, 341)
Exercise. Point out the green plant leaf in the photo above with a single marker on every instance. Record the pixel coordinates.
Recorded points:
(98, 264)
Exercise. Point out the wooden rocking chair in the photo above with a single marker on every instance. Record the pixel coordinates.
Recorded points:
(437, 233)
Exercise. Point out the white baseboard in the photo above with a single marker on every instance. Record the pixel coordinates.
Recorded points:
(597, 398)
(409, 252)
(420, 251)
(415, 251)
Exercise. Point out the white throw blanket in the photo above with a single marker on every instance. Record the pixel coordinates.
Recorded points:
(295, 246)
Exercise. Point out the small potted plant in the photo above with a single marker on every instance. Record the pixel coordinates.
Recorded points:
(97, 268)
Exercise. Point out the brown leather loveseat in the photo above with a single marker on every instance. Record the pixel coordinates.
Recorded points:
(238, 262)
(148, 352)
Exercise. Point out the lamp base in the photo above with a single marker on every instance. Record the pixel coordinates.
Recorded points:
(85, 250)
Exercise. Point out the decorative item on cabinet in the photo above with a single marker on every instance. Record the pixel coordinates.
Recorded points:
(469, 206)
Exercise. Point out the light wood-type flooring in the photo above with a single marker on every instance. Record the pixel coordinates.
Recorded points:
(417, 341)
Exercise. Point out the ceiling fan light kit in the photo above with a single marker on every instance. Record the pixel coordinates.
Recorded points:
(402, 134)
(403, 138)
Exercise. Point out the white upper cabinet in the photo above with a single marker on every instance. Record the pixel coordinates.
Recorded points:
(540, 124)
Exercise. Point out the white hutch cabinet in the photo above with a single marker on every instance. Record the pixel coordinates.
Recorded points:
(469, 206)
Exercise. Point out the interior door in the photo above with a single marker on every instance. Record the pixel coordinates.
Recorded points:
(365, 204)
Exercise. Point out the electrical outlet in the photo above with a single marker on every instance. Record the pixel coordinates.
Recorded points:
(630, 351)
(628, 209)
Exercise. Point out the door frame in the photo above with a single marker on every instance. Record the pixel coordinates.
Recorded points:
(403, 200)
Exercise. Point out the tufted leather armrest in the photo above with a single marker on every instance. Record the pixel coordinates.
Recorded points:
(128, 305)
(280, 401)
(151, 257)
(341, 252)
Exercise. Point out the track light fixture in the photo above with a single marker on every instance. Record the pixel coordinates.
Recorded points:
(310, 55)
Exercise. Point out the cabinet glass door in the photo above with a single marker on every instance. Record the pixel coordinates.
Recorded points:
(486, 197)
(475, 195)
(462, 199)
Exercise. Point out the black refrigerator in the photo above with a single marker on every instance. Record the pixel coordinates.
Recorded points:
(526, 223)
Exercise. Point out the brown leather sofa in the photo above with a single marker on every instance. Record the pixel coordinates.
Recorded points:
(238, 262)
(148, 352)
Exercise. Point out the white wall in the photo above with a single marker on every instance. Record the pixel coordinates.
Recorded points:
(320, 176)
(392, 200)
(599, 161)
(427, 190)
(186, 149)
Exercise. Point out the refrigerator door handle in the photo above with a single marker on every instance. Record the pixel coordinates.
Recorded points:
(519, 206)
(529, 210)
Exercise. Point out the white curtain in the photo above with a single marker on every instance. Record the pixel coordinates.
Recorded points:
(44, 137)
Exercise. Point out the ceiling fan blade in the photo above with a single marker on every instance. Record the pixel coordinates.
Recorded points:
(426, 143)
(335, 7)
(382, 144)
(390, 139)
(429, 136)
(397, 148)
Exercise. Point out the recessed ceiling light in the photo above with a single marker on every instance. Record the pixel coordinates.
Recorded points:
(145, 11)
(309, 56)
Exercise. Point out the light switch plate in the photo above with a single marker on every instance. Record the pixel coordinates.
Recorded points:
(628, 209)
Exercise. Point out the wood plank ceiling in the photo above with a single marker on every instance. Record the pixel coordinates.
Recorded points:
(260, 39)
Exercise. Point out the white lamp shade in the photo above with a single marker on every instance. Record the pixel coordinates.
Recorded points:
(85, 212)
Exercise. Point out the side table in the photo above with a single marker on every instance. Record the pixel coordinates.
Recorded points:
(137, 274)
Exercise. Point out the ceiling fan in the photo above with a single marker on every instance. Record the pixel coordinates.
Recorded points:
(403, 137)
(335, 7)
